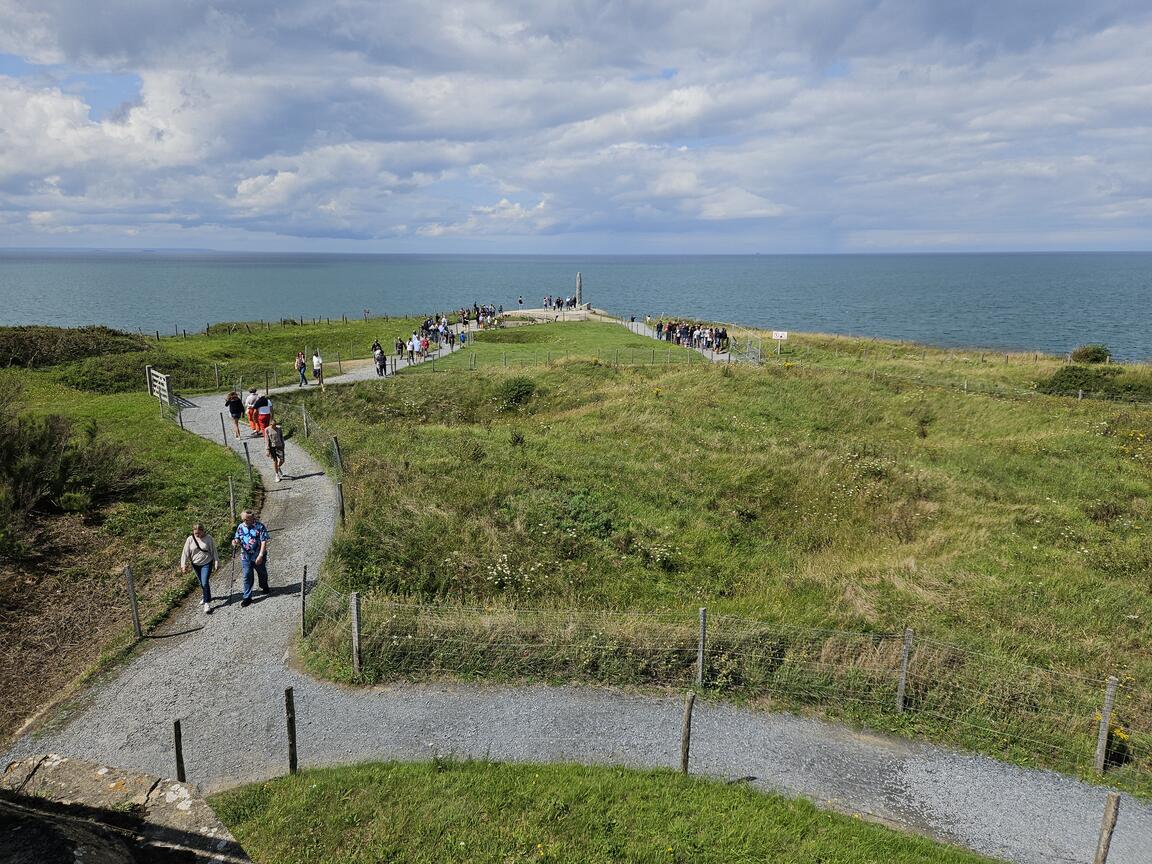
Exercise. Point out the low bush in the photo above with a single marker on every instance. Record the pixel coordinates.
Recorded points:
(50, 463)
(1099, 382)
(124, 373)
(1093, 353)
(35, 346)
(514, 392)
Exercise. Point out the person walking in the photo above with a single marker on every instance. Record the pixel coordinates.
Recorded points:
(381, 361)
(235, 406)
(274, 440)
(317, 367)
(251, 538)
(200, 553)
(301, 366)
(250, 406)
(263, 408)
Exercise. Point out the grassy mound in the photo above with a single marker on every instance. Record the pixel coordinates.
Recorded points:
(36, 346)
(486, 812)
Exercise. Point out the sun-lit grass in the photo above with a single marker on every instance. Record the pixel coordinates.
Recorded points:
(536, 346)
(566, 814)
(789, 495)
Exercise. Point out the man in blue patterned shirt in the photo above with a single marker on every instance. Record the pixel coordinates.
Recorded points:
(252, 539)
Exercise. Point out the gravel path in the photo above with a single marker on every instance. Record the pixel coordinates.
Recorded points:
(224, 676)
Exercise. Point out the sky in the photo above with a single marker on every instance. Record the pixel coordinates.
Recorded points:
(577, 126)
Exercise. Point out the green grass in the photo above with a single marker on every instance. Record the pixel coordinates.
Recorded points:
(793, 496)
(243, 353)
(499, 813)
(528, 346)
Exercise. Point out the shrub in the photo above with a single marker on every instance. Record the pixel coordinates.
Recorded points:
(514, 392)
(38, 345)
(1100, 382)
(49, 463)
(124, 373)
(1092, 353)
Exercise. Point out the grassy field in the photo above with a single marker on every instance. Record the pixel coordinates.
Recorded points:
(242, 353)
(1015, 528)
(524, 346)
(499, 813)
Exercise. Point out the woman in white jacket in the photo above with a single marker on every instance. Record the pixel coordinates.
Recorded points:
(200, 552)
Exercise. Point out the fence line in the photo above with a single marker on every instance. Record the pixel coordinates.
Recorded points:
(994, 705)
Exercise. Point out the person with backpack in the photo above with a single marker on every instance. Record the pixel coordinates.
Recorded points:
(274, 441)
(200, 552)
(235, 406)
(301, 366)
(317, 367)
(381, 361)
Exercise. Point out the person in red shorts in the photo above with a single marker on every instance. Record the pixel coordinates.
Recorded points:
(263, 408)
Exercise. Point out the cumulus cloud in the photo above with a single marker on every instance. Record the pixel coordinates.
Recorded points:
(836, 124)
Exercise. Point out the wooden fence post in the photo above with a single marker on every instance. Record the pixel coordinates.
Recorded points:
(1105, 723)
(132, 600)
(686, 731)
(223, 429)
(290, 718)
(232, 497)
(178, 743)
(340, 500)
(304, 603)
(216, 369)
(304, 412)
(339, 364)
(354, 603)
(700, 646)
(180, 416)
(265, 382)
(338, 453)
(1111, 811)
(905, 656)
(248, 456)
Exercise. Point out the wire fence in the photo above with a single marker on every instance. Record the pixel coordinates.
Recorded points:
(896, 681)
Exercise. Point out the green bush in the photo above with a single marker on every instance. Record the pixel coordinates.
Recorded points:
(37, 345)
(48, 463)
(124, 373)
(514, 392)
(1093, 353)
(1099, 382)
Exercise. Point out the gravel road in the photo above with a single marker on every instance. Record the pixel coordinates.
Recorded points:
(224, 676)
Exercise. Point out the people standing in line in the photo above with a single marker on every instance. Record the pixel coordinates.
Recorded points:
(274, 441)
(200, 552)
(317, 367)
(251, 538)
(235, 406)
(250, 407)
(301, 369)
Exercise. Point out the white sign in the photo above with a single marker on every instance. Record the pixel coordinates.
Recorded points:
(780, 335)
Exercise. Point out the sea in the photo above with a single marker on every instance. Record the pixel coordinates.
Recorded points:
(1048, 302)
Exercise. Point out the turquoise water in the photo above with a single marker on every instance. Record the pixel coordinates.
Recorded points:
(1046, 302)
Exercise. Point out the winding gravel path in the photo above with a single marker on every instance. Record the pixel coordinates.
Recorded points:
(224, 675)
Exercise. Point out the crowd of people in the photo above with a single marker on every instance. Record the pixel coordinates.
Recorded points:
(256, 408)
(693, 335)
(559, 304)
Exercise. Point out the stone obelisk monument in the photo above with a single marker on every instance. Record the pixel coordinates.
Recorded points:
(579, 292)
